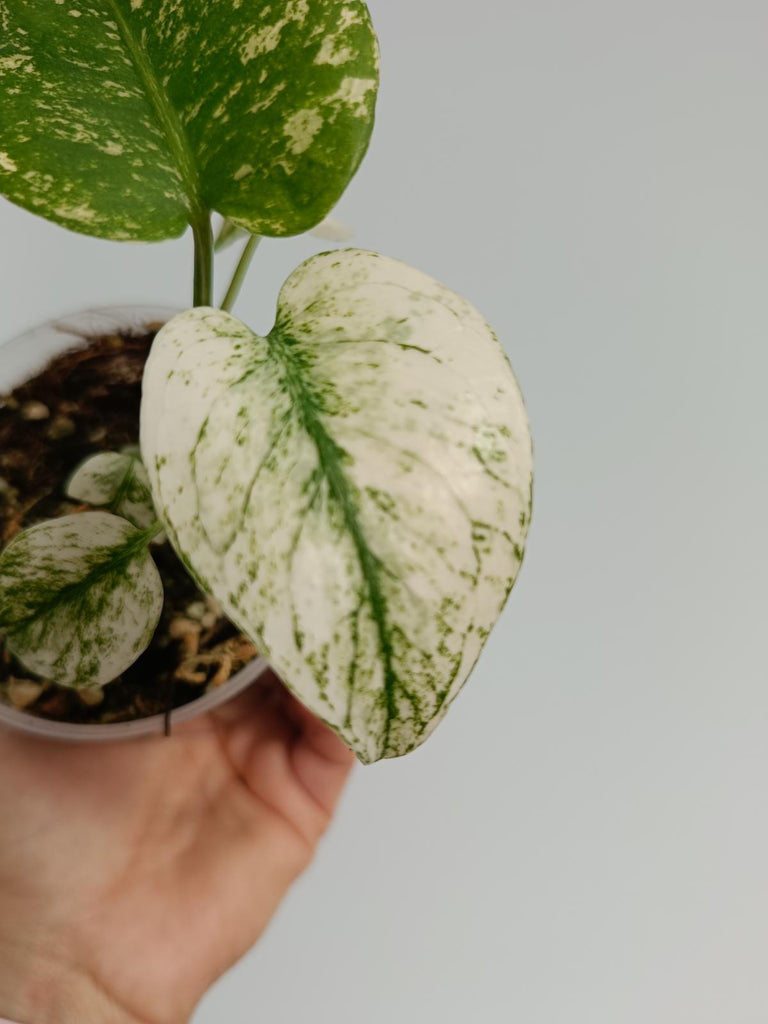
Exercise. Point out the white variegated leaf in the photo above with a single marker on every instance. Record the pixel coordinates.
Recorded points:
(117, 481)
(354, 488)
(80, 598)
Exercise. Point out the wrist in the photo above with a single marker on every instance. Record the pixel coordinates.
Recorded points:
(36, 988)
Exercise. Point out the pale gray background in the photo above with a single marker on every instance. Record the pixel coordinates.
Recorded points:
(584, 841)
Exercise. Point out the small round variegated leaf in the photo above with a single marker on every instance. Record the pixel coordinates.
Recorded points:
(117, 481)
(80, 598)
(128, 119)
(355, 488)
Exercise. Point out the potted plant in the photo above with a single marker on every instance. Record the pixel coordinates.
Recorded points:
(349, 496)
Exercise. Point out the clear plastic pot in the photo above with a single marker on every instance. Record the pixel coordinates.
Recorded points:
(21, 359)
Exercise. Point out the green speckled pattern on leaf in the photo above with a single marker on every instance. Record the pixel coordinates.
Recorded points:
(117, 481)
(80, 598)
(355, 488)
(127, 119)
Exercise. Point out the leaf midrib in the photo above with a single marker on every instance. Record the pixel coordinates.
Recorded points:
(166, 115)
(120, 556)
(329, 458)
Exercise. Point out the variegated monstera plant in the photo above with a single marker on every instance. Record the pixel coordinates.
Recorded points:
(355, 487)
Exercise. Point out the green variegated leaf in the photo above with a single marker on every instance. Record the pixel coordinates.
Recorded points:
(130, 118)
(117, 481)
(354, 488)
(80, 598)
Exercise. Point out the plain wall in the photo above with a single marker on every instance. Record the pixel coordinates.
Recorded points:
(584, 839)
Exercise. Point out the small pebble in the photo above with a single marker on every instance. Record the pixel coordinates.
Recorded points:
(222, 674)
(208, 621)
(189, 644)
(195, 610)
(92, 696)
(34, 411)
(188, 672)
(14, 459)
(23, 692)
(97, 435)
(61, 426)
(180, 627)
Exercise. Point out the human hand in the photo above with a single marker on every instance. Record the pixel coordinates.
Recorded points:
(133, 874)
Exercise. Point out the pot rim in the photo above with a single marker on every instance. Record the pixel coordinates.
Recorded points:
(20, 358)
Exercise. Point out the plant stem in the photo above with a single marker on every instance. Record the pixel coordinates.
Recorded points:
(240, 271)
(203, 235)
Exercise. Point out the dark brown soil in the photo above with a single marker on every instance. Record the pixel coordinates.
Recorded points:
(84, 401)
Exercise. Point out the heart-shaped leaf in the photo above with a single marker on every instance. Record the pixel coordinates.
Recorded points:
(355, 488)
(117, 481)
(130, 118)
(80, 598)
